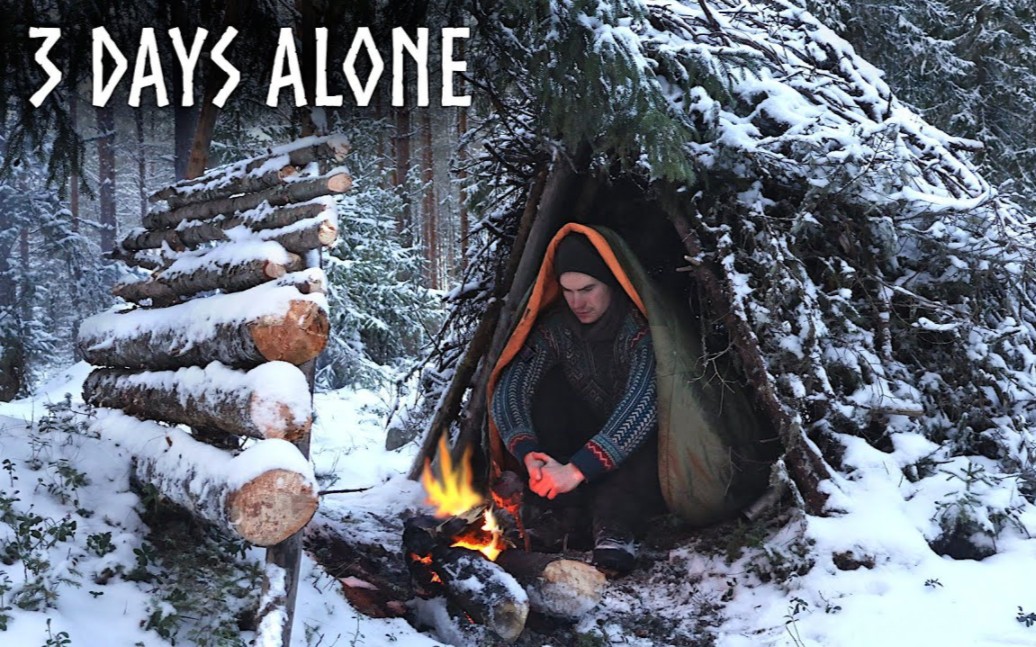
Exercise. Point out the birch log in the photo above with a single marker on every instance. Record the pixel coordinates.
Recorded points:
(240, 330)
(263, 495)
(270, 401)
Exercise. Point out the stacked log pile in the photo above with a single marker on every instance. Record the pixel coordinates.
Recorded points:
(214, 337)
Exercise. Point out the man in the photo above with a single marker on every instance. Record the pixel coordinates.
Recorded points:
(577, 407)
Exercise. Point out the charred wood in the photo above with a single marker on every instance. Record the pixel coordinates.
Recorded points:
(484, 590)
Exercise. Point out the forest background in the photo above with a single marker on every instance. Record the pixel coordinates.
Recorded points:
(75, 177)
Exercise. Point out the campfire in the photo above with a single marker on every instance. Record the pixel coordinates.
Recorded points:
(471, 551)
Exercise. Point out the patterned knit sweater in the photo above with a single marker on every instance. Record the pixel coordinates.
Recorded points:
(625, 396)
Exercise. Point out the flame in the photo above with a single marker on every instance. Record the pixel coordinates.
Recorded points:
(451, 495)
(490, 543)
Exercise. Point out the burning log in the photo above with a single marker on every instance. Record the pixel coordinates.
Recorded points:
(559, 587)
(481, 588)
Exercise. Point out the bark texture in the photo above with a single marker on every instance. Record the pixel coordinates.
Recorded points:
(297, 335)
(168, 399)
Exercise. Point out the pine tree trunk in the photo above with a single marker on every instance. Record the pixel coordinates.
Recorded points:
(141, 163)
(184, 117)
(402, 150)
(106, 176)
(195, 397)
(209, 112)
(462, 177)
(429, 203)
(73, 180)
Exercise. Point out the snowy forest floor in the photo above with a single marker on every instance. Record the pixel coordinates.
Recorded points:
(83, 556)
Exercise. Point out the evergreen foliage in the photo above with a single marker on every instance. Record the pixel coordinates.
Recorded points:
(380, 313)
(969, 68)
(47, 293)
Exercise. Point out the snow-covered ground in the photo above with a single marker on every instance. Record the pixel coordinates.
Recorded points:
(901, 593)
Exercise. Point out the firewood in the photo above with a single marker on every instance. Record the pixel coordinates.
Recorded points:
(286, 193)
(312, 280)
(332, 149)
(223, 187)
(183, 279)
(139, 238)
(270, 401)
(304, 235)
(564, 588)
(485, 591)
(263, 495)
(278, 323)
(194, 234)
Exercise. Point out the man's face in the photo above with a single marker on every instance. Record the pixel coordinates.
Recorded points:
(587, 297)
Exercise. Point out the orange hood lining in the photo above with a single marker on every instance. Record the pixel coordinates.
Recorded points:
(545, 291)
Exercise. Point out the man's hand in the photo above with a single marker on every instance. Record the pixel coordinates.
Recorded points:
(549, 478)
(534, 462)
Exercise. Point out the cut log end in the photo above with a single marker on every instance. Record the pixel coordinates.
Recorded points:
(296, 337)
(328, 233)
(277, 420)
(271, 507)
(274, 270)
(339, 183)
(563, 588)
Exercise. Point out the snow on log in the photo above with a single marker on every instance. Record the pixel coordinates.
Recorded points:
(241, 330)
(264, 495)
(301, 190)
(231, 267)
(139, 238)
(269, 401)
(304, 235)
(244, 173)
(311, 280)
(194, 233)
(484, 590)
(563, 588)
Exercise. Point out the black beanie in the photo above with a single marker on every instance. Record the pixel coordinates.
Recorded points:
(575, 253)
